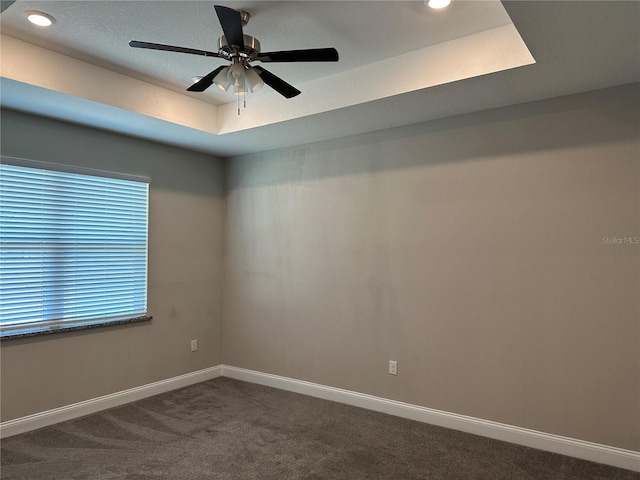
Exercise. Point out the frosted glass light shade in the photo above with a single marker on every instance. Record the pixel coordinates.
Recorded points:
(239, 89)
(223, 79)
(253, 80)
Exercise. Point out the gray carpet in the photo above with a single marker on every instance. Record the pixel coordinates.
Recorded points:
(225, 429)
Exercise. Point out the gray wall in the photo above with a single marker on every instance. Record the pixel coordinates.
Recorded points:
(185, 272)
(468, 249)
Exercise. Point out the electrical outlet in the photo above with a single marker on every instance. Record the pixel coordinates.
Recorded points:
(194, 345)
(393, 367)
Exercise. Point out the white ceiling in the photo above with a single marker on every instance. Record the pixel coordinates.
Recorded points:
(400, 63)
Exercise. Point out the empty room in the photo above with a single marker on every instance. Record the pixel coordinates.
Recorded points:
(348, 240)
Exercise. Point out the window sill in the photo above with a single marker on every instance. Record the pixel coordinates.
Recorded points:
(36, 332)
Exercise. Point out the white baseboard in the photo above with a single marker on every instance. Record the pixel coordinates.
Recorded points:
(594, 452)
(80, 409)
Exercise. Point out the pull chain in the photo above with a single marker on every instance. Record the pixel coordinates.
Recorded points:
(244, 95)
(244, 90)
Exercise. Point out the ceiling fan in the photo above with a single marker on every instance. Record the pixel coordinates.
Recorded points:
(241, 50)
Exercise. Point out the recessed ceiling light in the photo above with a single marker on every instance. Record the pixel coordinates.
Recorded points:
(438, 3)
(195, 79)
(39, 18)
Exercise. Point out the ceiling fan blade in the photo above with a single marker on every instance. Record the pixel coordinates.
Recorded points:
(171, 48)
(231, 22)
(279, 85)
(206, 81)
(311, 55)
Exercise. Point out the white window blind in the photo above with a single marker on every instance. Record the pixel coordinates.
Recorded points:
(73, 249)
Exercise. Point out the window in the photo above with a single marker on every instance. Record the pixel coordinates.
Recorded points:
(73, 249)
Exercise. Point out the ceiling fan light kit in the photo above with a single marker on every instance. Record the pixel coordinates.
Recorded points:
(240, 49)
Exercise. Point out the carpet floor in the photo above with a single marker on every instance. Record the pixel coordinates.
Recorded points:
(225, 429)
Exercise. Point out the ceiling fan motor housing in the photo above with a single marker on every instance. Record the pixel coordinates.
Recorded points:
(250, 51)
